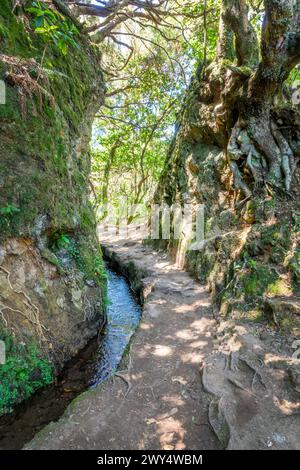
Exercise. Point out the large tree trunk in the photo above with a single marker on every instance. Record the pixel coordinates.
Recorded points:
(250, 114)
(51, 287)
(236, 151)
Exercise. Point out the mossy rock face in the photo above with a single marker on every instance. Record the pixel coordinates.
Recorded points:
(45, 129)
(284, 312)
(48, 242)
(251, 246)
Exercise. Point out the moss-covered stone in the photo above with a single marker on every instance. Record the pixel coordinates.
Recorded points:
(251, 246)
(45, 128)
(45, 137)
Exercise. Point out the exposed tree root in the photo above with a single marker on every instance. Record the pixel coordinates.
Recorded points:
(288, 162)
(127, 382)
(18, 75)
(33, 316)
(88, 309)
(279, 162)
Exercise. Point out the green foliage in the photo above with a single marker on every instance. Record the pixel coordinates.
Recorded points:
(100, 270)
(24, 372)
(145, 97)
(40, 176)
(277, 238)
(53, 26)
(9, 210)
(8, 215)
(88, 262)
(60, 240)
(133, 132)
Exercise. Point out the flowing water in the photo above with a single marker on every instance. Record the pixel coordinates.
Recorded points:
(93, 365)
(123, 317)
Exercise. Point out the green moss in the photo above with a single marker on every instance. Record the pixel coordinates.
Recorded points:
(23, 373)
(13, 37)
(91, 263)
(257, 280)
(287, 325)
(81, 253)
(255, 316)
(36, 144)
(201, 264)
(279, 287)
(275, 234)
(45, 162)
(296, 217)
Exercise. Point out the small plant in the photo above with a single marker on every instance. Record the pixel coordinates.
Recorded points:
(63, 241)
(22, 374)
(53, 27)
(100, 270)
(60, 240)
(9, 210)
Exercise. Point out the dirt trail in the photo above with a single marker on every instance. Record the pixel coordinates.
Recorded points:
(188, 382)
(157, 401)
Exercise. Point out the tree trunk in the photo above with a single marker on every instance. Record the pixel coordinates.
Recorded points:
(251, 113)
(236, 149)
(51, 284)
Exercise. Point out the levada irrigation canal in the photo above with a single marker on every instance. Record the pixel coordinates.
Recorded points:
(92, 366)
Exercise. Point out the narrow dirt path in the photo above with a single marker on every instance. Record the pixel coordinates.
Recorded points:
(156, 401)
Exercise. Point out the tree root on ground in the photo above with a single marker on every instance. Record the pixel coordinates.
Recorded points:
(127, 382)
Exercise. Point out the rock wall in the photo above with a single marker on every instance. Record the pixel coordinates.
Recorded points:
(52, 280)
(250, 258)
(250, 255)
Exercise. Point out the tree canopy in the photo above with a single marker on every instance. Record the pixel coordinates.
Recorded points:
(150, 51)
(256, 45)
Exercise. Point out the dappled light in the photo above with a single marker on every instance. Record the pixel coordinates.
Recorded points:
(286, 407)
(162, 351)
(149, 227)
